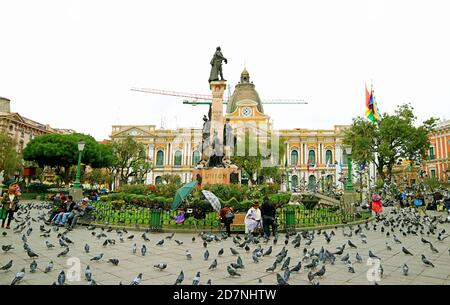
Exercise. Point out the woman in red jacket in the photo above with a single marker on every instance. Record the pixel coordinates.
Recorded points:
(377, 208)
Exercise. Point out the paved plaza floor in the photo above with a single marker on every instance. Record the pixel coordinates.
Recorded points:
(172, 254)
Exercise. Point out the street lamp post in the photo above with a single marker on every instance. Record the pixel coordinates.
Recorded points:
(349, 185)
(77, 183)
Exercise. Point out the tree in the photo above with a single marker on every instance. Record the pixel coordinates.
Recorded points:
(257, 163)
(61, 151)
(390, 140)
(171, 179)
(129, 160)
(10, 160)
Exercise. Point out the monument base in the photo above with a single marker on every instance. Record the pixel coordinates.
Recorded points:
(211, 176)
(76, 193)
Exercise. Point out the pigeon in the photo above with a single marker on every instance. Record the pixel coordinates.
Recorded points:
(345, 258)
(206, 255)
(143, 250)
(160, 243)
(358, 258)
(311, 277)
(209, 282)
(205, 244)
(64, 252)
(405, 269)
(406, 251)
(31, 254)
(352, 245)
(88, 273)
(255, 258)
(232, 271)
(86, 248)
(271, 269)
(196, 280)
(281, 280)
(49, 245)
(268, 252)
(62, 277)
(220, 252)
(113, 261)
(105, 243)
(137, 280)
(433, 249)
(97, 258)
(4, 233)
(7, 266)
(321, 272)
(388, 247)
(350, 267)
(178, 242)
(188, 255)
(24, 238)
(62, 243)
(193, 239)
(426, 261)
(371, 255)
(160, 266)
(170, 236)
(49, 267)
(233, 251)
(6, 248)
(286, 263)
(19, 276)
(397, 240)
(134, 248)
(33, 266)
(130, 237)
(297, 268)
(144, 236)
(180, 278)
(424, 241)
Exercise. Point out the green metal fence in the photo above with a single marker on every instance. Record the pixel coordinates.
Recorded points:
(155, 219)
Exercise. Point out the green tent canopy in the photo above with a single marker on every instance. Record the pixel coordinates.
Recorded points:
(182, 193)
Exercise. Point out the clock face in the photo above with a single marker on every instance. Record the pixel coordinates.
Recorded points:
(247, 111)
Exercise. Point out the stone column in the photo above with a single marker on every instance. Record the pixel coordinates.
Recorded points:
(217, 89)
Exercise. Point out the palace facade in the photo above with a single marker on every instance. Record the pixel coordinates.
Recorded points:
(310, 155)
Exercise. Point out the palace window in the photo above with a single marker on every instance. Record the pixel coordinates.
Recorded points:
(160, 158)
(431, 153)
(177, 161)
(158, 180)
(195, 157)
(295, 182)
(312, 157)
(433, 173)
(294, 157)
(329, 157)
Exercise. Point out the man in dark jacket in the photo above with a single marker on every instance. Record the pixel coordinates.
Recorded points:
(268, 213)
(69, 205)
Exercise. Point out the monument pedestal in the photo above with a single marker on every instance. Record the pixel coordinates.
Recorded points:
(210, 176)
(76, 193)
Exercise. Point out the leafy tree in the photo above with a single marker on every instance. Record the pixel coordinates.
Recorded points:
(171, 179)
(10, 160)
(129, 160)
(390, 140)
(61, 152)
(257, 163)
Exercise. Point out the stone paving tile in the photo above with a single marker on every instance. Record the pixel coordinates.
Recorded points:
(174, 255)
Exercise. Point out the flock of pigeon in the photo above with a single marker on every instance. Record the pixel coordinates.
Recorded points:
(297, 255)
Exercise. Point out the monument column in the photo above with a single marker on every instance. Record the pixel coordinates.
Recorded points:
(217, 89)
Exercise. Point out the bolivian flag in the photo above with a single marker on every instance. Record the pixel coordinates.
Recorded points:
(372, 112)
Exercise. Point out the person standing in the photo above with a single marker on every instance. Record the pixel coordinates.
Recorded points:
(226, 217)
(447, 200)
(268, 213)
(419, 202)
(377, 207)
(10, 204)
(253, 218)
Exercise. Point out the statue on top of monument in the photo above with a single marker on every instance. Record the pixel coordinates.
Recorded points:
(216, 65)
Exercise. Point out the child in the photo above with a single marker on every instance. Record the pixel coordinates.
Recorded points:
(10, 204)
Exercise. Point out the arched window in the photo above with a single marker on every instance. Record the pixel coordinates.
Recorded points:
(160, 158)
(294, 181)
(294, 157)
(158, 180)
(312, 157)
(328, 157)
(311, 183)
(177, 161)
(195, 157)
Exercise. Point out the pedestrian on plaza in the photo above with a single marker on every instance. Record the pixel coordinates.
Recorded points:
(253, 218)
(67, 209)
(447, 200)
(401, 198)
(78, 210)
(268, 213)
(419, 203)
(10, 204)
(226, 216)
(377, 207)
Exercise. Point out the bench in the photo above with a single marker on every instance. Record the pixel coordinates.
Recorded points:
(238, 222)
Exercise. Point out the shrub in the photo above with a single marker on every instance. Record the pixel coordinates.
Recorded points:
(140, 189)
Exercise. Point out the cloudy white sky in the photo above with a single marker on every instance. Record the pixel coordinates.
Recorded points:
(71, 64)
